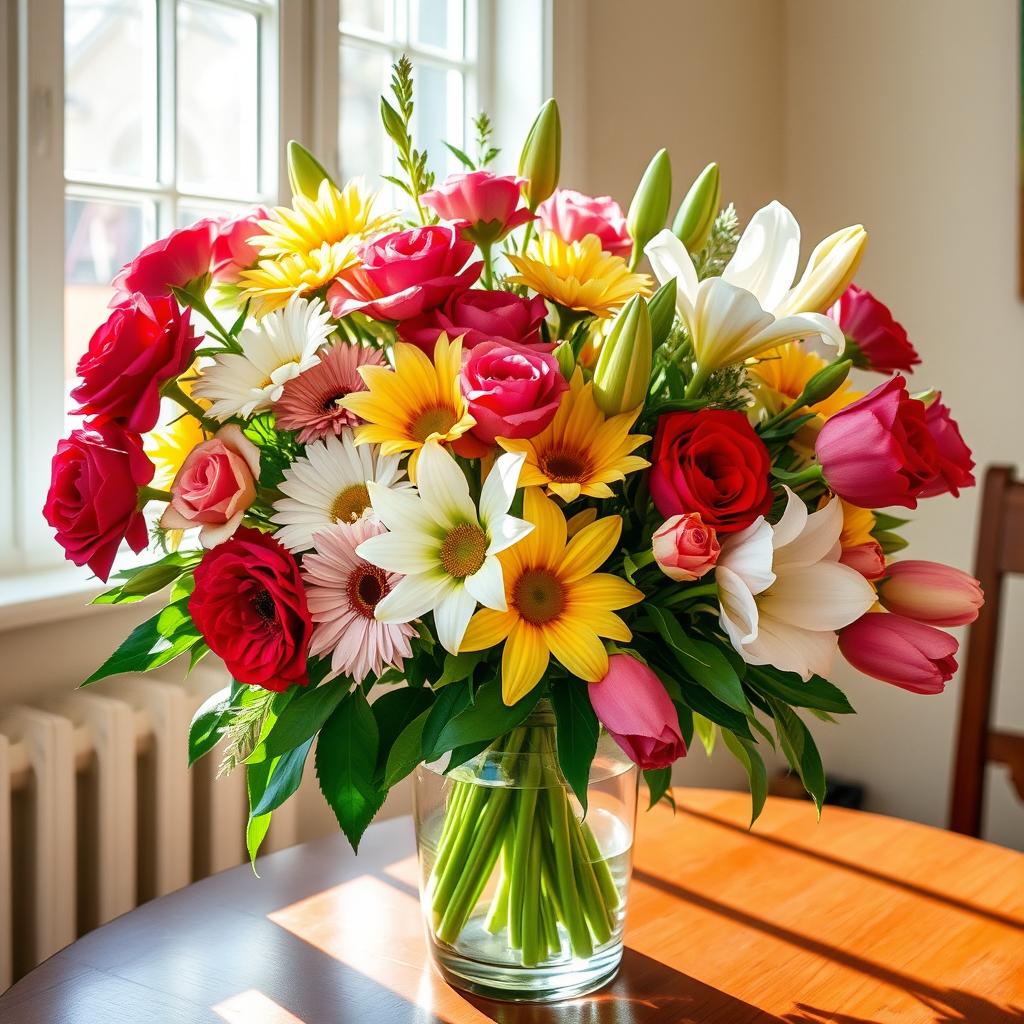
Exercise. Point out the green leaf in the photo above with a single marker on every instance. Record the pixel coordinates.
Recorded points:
(703, 703)
(890, 542)
(706, 732)
(451, 701)
(817, 693)
(460, 156)
(346, 757)
(801, 751)
(576, 731)
(458, 667)
(885, 522)
(256, 778)
(153, 643)
(284, 780)
(460, 755)
(487, 718)
(785, 430)
(747, 755)
(393, 711)
(278, 447)
(659, 783)
(143, 580)
(207, 724)
(303, 718)
(150, 580)
(685, 716)
(406, 752)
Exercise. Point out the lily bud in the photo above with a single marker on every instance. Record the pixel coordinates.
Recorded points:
(826, 382)
(698, 209)
(540, 160)
(566, 359)
(929, 397)
(305, 172)
(828, 272)
(649, 208)
(623, 371)
(662, 309)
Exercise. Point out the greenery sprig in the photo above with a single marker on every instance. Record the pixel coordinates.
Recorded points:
(397, 122)
(725, 236)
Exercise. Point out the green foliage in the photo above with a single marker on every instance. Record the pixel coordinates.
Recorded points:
(303, 718)
(576, 730)
(800, 749)
(278, 448)
(397, 124)
(725, 236)
(208, 723)
(485, 152)
(254, 717)
(284, 780)
(394, 712)
(485, 719)
(747, 755)
(406, 752)
(143, 580)
(816, 694)
(659, 784)
(706, 731)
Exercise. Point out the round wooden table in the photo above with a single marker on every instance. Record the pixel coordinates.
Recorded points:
(854, 920)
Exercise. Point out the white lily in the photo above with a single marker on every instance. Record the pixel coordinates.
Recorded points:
(783, 592)
(443, 545)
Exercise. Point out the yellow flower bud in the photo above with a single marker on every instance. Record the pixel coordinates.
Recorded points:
(698, 209)
(305, 172)
(829, 271)
(623, 372)
(649, 208)
(540, 160)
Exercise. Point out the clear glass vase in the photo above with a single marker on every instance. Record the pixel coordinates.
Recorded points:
(524, 897)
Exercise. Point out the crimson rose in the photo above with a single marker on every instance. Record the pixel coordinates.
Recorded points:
(143, 343)
(710, 462)
(93, 501)
(251, 609)
(175, 261)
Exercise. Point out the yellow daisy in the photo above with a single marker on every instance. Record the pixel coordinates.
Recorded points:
(785, 370)
(557, 603)
(272, 282)
(580, 275)
(580, 451)
(416, 402)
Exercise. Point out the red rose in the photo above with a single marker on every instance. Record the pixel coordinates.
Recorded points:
(143, 343)
(479, 315)
(879, 451)
(710, 462)
(954, 457)
(93, 501)
(178, 259)
(405, 273)
(874, 340)
(233, 250)
(250, 606)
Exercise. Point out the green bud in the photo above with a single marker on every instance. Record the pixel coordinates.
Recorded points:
(698, 209)
(662, 308)
(825, 382)
(393, 123)
(566, 359)
(305, 172)
(929, 397)
(649, 208)
(541, 157)
(623, 372)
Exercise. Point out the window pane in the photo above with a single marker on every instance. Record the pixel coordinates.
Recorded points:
(100, 237)
(110, 126)
(438, 24)
(362, 144)
(189, 211)
(218, 99)
(372, 16)
(438, 115)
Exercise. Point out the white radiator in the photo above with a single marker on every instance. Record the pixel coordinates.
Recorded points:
(99, 811)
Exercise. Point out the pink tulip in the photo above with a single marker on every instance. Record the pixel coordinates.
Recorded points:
(633, 706)
(875, 340)
(572, 215)
(867, 558)
(931, 592)
(484, 205)
(900, 651)
(177, 260)
(233, 250)
(684, 548)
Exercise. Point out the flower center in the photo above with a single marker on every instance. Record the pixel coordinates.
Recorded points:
(351, 503)
(437, 420)
(330, 404)
(263, 605)
(463, 550)
(539, 596)
(565, 467)
(367, 585)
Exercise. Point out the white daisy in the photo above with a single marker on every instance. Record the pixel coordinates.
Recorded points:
(274, 350)
(329, 484)
(445, 547)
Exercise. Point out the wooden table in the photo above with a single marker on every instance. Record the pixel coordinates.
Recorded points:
(859, 919)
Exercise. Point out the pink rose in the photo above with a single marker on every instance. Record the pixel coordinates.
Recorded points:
(178, 259)
(900, 651)
(954, 457)
(233, 250)
(874, 340)
(572, 215)
(512, 391)
(483, 205)
(633, 706)
(404, 274)
(931, 592)
(478, 315)
(684, 548)
(214, 487)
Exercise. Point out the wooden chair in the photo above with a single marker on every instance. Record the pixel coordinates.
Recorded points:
(1000, 550)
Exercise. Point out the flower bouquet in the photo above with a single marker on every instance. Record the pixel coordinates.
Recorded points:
(459, 490)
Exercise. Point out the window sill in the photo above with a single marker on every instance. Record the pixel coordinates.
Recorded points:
(49, 595)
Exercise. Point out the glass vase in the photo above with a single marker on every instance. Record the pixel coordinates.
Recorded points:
(524, 896)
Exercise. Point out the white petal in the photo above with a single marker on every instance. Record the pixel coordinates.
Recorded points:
(451, 617)
(826, 596)
(827, 329)
(728, 324)
(505, 532)
(670, 260)
(766, 257)
(748, 554)
(792, 521)
(738, 613)
(407, 553)
(794, 328)
(500, 488)
(210, 536)
(412, 597)
(792, 649)
(443, 488)
(398, 510)
(487, 585)
(816, 539)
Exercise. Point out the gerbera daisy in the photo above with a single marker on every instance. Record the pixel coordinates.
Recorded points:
(309, 403)
(417, 402)
(277, 348)
(446, 548)
(329, 485)
(557, 603)
(580, 275)
(342, 591)
(580, 451)
(272, 282)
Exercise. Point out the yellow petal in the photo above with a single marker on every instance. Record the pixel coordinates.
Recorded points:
(603, 623)
(486, 629)
(590, 548)
(547, 540)
(603, 590)
(579, 649)
(522, 662)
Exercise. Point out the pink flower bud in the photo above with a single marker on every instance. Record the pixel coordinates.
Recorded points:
(484, 205)
(573, 215)
(931, 592)
(900, 651)
(633, 706)
(684, 548)
(875, 341)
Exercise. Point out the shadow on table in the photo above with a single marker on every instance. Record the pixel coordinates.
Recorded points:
(644, 992)
(970, 1009)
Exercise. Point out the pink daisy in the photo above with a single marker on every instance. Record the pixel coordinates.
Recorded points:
(309, 402)
(342, 591)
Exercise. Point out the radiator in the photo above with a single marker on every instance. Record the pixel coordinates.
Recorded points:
(99, 811)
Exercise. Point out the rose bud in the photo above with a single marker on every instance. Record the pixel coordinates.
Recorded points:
(541, 158)
(684, 548)
(868, 559)
(698, 210)
(233, 250)
(179, 260)
(874, 339)
(931, 592)
(878, 451)
(511, 390)
(900, 651)
(214, 487)
(483, 205)
(572, 215)
(633, 706)
(954, 457)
